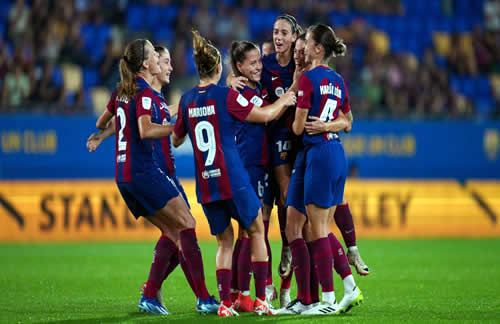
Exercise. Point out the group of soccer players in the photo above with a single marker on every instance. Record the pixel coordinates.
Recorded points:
(252, 146)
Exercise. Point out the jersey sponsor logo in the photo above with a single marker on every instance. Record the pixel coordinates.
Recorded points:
(300, 93)
(146, 103)
(274, 78)
(242, 100)
(201, 111)
(257, 101)
(330, 89)
(122, 158)
(211, 174)
(279, 91)
(122, 99)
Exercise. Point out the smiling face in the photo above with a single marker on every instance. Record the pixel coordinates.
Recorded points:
(251, 67)
(311, 49)
(283, 36)
(165, 67)
(298, 54)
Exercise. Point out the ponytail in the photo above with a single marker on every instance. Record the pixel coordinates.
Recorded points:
(322, 34)
(130, 66)
(206, 56)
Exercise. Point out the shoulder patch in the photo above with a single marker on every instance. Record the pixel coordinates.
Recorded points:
(300, 93)
(257, 101)
(242, 101)
(146, 103)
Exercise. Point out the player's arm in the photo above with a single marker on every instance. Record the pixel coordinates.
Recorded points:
(96, 139)
(103, 120)
(178, 140)
(300, 120)
(350, 119)
(273, 111)
(173, 109)
(150, 130)
(237, 83)
(180, 132)
(316, 126)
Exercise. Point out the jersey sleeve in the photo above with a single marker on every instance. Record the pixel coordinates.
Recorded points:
(111, 103)
(305, 92)
(180, 126)
(237, 105)
(144, 103)
(345, 105)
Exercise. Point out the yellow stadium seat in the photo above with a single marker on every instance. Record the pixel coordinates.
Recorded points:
(466, 44)
(442, 43)
(100, 98)
(72, 77)
(380, 42)
(495, 84)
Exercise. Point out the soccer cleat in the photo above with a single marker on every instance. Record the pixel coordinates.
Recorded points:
(152, 306)
(354, 298)
(225, 311)
(296, 307)
(271, 293)
(233, 296)
(323, 308)
(207, 306)
(158, 293)
(262, 307)
(285, 265)
(356, 261)
(284, 297)
(244, 304)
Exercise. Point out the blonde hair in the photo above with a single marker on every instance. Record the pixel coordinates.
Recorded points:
(206, 56)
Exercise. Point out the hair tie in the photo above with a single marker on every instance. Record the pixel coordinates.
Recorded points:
(215, 65)
(291, 20)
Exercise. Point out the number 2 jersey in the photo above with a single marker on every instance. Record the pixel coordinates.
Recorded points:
(133, 154)
(206, 114)
(323, 92)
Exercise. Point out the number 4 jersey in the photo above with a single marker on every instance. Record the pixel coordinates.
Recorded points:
(323, 92)
(207, 115)
(133, 154)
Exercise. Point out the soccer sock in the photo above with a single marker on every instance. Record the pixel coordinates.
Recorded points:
(301, 266)
(340, 262)
(349, 284)
(345, 223)
(323, 259)
(260, 277)
(244, 265)
(234, 265)
(224, 283)
(282, 222)
(269, 253)
(193, 258)
(313, 279)
(163, 252)
(174, 262)
(187, 274)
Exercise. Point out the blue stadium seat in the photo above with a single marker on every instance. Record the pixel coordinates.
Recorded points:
(483, 86)
(164, 33)
(4, 10)
(90, 78)
(57, 76)
(136, 17)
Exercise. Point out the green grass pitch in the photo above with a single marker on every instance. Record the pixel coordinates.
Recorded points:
(411, 281)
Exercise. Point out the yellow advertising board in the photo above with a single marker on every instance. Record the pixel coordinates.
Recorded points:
(94, 210)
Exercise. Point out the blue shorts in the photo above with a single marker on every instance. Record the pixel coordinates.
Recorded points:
(295, 197)
(181, 190)
(325, 174)
(271, 189)
(148, 192)
(282, 147)
(257, 176)
(243, 207)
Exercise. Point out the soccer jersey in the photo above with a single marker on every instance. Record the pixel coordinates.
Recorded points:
(251, 138)
(206, 114)
(133, 154)
(323, 92)
(163, 146)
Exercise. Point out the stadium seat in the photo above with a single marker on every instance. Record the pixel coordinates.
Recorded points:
(380, 42)
(466, 44)
(100, 98)
(90, 78)
(495, 84)
(72, 77)
(442, 43)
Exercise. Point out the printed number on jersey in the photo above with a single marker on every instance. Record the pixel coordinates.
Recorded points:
(205, 140)
(328, 110)
(122, 144)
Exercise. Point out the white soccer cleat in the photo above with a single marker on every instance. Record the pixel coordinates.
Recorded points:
(356, 261)
(351, 299)
(295, 307)
(323, 308)
(271, 293)
(285, 297)
(285, 266)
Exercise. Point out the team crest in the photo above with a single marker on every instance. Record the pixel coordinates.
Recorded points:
(242, 100)
(279, 91)
(256, 101)
(146, 103)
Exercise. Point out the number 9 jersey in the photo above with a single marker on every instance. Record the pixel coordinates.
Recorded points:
(207, 114)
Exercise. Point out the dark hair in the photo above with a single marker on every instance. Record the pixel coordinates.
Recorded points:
(296, 29)
(239, 50)
(302, 37)
(160, 49)
(324, 35)
(206, 56)
(130, 65)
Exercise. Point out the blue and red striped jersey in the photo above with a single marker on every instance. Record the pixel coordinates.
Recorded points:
(323, 91)
(251, 138)
(163, 146)
(206, 114)
(133, 154)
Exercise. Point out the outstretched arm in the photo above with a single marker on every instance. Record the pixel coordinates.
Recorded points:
(96, 139)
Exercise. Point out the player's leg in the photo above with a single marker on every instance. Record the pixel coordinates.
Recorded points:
(268, 200)
(244, 303)
(223, 270)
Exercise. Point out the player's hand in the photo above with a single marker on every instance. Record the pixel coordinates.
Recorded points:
(289, 98)
(315, 126)
(93, 142)
(238, 83)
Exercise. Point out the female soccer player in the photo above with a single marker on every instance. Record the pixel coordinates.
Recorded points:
(223, 187)
(148, 191)
(163, 153)
(322, 94)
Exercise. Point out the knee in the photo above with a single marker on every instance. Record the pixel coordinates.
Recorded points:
(186, 220)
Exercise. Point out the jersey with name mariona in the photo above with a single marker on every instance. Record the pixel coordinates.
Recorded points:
(323, 91)
(206, 114)
(133, 154)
